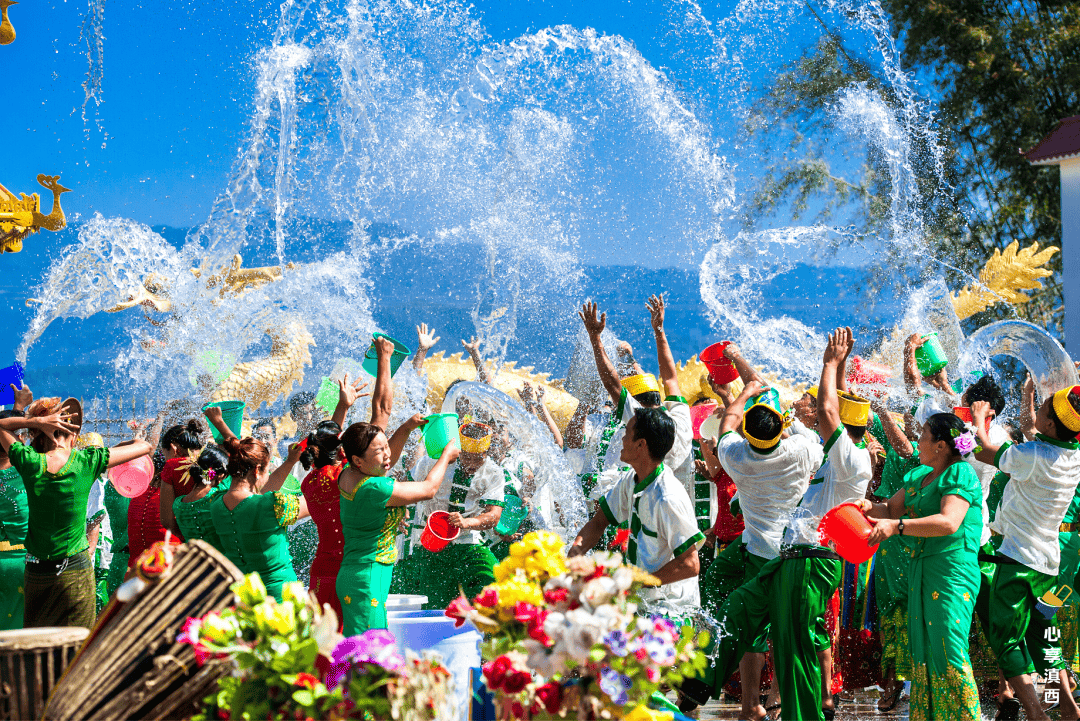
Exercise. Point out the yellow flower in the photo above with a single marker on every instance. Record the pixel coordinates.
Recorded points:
(251, 590)
(272, 617)
(219, 630)
(644, 713)
(513, 591)
(295, 592)
(540, 554)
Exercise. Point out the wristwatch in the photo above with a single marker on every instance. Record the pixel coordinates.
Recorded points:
(900, 527)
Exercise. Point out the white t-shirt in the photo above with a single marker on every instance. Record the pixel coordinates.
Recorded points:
(843, 478)
(679, 460)
(1043, 478)
(986, 472)
(470, 498)
(770, 485)
(667, 529)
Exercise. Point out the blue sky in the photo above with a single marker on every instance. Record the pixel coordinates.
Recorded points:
(176, 94)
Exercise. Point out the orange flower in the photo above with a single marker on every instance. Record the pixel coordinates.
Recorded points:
(306, 680)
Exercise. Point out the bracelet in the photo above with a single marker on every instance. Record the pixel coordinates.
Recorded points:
(900, 527)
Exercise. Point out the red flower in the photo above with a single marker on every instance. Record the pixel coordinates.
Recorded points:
(516, 682)
(550, 694)
(488, 598)
(525, 612)
(458, 610)
(306, 680)
(556, 596)
(517, 710)
(495, 672)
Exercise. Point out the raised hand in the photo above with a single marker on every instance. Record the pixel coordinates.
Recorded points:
(56, 422)
(527, 396)
(473, 346)
(349, 393)
(655, 304)
(839, 346)
(595, 322)
(23, 396)
(425, 338)
(383, 347)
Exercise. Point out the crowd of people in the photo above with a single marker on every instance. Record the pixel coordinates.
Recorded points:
(973, 519)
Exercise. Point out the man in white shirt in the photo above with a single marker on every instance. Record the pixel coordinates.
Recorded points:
(664, 537)
(843, 478)
(771, 472)
(639, 391)
(1043, 479)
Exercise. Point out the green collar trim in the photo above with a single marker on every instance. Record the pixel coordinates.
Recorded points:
(676, 399)
(1070, 445)
(832, 440)
(621, 405)
(642, 485)
(1001, 452)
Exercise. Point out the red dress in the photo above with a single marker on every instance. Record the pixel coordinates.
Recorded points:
(320, 488)
(728, 527)
(144, 513)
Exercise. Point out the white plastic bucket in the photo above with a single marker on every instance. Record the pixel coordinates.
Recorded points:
(399, 602)
(420, 631)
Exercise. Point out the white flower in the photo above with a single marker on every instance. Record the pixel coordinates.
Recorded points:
(583, 633)
(546, 662)
(598, 591)
(623, 577)
(610, 618)
(608, 559)
(555, 625)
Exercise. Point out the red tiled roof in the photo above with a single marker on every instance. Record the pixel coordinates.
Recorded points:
(1063, 143)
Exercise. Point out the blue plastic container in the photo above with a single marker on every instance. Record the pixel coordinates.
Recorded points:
(13, 374)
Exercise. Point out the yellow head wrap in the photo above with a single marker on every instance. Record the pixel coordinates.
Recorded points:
(641, 383)
(854, 411)
(89, 440)
(763, 443)
(812, 390)
(1064, 410)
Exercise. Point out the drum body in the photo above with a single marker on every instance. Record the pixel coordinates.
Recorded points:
(132, 666)
(32, 660)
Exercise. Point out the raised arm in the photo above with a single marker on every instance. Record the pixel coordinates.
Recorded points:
(45, 424)
(473, 348)
(841, 367)
(406, 494)
(746, 371)
(348, 394)
(128, 451)
(1027, 413)
(213, 414)
(988, 453)
(23, 397)
(589, 535)
(733, 414)
(595, 322)
(401, 437)
(669, 373)
(828, 405)
(894, 433)
(425, 341)
(545, 415)
(575, 429)
(382, 402)
(280, 474)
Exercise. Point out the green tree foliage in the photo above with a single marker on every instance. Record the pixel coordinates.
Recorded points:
(1004, 72)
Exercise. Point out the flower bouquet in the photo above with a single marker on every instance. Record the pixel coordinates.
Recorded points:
(562, 637)
(291, 663)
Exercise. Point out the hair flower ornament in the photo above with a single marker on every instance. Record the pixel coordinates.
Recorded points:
(965, 442)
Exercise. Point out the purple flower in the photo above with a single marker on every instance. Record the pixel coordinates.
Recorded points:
(965, 443)
(377, 647)
(615, 685)
(616, 642)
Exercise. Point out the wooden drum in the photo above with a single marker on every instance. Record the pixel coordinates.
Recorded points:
(132, 666)
(31, 663)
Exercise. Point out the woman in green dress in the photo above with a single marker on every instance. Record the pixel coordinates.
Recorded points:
(13, 518)
(116, 505)
(251, 527)
(372, 505)
(210, 480)
(939, 512)
(59, 578)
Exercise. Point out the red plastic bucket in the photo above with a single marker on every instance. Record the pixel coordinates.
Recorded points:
(698, 415)
(846, 529)
(964, 414)
(132, 479)
(868, 373)
(438, 533)
(721, 370)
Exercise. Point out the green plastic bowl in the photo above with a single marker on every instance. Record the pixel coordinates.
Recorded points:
(440, 429)
(930, 356)
(513, 513)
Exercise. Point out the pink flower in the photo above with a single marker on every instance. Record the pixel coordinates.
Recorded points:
(516, 681)
(550, 695)
(488, 598)
(652, 673)
(495, 672)
(555, 596)
(459, 610)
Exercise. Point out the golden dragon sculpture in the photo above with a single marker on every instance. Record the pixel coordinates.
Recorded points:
(21, 215)
(265, 380)
(7, 30)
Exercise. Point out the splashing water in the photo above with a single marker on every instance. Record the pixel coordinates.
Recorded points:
(93, 34)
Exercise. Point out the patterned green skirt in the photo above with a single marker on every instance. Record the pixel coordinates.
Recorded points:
(12, 566)
(941, 601)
